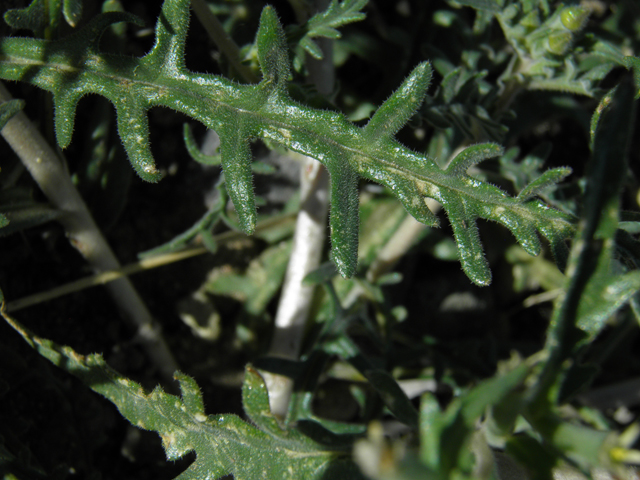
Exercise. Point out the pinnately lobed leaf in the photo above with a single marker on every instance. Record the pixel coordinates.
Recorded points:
(325, 24)
(73, 67)
(224, 444)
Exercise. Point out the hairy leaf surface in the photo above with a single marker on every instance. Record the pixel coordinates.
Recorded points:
(224, 444)
(73, 67)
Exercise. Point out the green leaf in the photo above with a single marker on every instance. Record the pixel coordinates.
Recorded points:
(344, 217)
(194, 151)
(272, 51)
(258, 284)
(41, 14)
(394, 113)
(73, 67)
(235, 154)
(383, 383)
(593, 292)
(547, 179)
(471, 156)
(72, 11)
(324, 24)
(18, 217)
(201, 227)
(31, 18)
(445, 436)
(467, 237)
(224, 444)
(633, 64)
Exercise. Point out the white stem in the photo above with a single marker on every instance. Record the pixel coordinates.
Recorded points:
(47, 170)
(295, 300)
(308, 244)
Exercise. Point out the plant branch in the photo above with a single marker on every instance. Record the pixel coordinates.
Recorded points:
(227, 46)
(143, 265)
(48, 172)
(308, 243)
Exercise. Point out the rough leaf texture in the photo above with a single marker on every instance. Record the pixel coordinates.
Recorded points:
(224, 444)
(73, 67)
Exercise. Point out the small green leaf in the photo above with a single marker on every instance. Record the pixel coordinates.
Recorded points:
(18, 217)
(72, 11)
(393, 396)
(325, 24)
(574, 17)
(194, 151)
(547, 179)
(394, 113)
(135, 138)
(465, 231)
(559, 43)
(32, 18)
(344, 217)
(272, 51)
(471, 156)
(236, 162)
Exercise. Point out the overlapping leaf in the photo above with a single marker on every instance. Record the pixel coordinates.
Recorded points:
(593, 291)
(325, 24)
(224, 444)
(73, 67)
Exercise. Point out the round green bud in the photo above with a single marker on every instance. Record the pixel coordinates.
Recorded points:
(573, 18)
(559, 42)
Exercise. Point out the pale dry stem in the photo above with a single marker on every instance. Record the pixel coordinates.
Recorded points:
(47, 170)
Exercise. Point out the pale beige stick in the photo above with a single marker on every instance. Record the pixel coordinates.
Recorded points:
(308, 244)
(102, 278)
(144, 264)
(47, 170)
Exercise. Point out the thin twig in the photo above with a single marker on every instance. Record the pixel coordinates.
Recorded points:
(225, 44)
(133, 268)
(47, 170)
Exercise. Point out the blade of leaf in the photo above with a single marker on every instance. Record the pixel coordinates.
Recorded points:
(72, 11)
(235, 153)
(272, 51)
(344, 215)
(471, 156)
(224, 444)
(8, 110)
(465, 231)
(547, 179)
(400, 106)
(590, 261)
